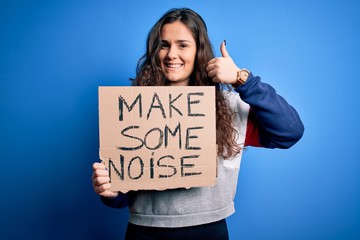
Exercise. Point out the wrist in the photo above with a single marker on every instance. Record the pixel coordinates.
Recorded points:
(241, 76)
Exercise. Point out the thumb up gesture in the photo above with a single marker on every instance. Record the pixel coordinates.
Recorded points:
(222, 69)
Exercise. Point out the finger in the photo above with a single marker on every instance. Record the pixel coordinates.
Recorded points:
(109, 194)
(100, 173)
(100, 181)
(102, 188)
(98, 165)
(212, 61)
(223, 50)
(212, 74)
(210, 67)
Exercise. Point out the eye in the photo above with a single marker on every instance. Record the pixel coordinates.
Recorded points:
(164, 45)
(183, 45)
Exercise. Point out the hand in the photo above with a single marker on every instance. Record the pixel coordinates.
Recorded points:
(222, 69)
(101, 181)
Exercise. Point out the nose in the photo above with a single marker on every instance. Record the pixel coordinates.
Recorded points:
(172, 53)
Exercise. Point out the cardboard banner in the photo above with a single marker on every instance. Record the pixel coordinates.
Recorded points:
(158, 137)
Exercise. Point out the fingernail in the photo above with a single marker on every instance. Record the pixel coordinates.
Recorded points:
(225, 42)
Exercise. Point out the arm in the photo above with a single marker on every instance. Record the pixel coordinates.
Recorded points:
(101, 185)
(272, 122)
(121, 201)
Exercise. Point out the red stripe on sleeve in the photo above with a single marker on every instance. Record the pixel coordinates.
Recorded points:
(252, 131)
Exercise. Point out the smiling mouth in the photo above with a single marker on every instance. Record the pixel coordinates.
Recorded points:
(174, 65)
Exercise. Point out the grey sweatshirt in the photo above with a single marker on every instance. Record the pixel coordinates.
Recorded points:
(195, 206)
(264, 120)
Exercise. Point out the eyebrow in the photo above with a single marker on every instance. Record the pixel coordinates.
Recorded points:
(177, 41)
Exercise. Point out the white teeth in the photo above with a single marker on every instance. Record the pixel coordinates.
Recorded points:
(174, 65)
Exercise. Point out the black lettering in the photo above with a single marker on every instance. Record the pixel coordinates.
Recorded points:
(161, 137)
(122, 101)
(167, 130)
(133, 137)
(152, 166)
(171, 106)
(184, 165)
(119, 174)
(168, 166)
(190, 102)
(160, 106)
(189, 136)
(141, 164)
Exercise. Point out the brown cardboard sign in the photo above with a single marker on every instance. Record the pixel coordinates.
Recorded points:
(158, 137)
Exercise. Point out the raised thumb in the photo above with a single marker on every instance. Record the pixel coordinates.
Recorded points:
(223, 50)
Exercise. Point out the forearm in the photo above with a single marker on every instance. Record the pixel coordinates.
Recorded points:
(276, 123)
(121, 201)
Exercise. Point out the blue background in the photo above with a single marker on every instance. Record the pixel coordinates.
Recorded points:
(54, 55)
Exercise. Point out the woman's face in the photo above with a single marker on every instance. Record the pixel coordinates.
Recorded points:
(177, 53)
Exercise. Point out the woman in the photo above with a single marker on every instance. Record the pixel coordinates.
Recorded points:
(179, 53)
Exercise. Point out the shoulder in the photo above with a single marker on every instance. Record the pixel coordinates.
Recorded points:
(236, 104)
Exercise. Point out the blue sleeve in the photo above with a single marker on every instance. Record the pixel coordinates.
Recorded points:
(121, 201)
(279, 125)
